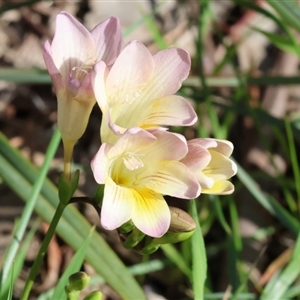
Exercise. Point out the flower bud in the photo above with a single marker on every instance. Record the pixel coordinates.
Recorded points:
(181, 228)
(95, 295)
(78, 281)
(181, 221)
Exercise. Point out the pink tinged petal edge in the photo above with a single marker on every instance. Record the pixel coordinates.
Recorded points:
(130, 72)
(118, 205)
(223, 146)
(172, 67)
(171, 178)
(108, 40)
(55, 75)
(72, 44)
(133, 139)
(169, 111)
(100, 164)
(151, 213)
(99, 75)
(169, 146)
(197, 158)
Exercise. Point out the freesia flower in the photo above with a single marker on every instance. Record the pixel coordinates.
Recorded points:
(209, 161)
(138, 90)
(138, 170)
(70, 59)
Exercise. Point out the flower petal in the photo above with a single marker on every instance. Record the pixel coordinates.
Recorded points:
(220, 167)
(133, 139)
(130, 72)
(170, 110)
(172, 66)
(99, 164)
(72, 44)
(151, 213)
(223, 146)
(197, 158)
(99, 74)
(118, 205)
(171, 178)
(108, 40)
(220, 188)
(58, 83)
(169, 146)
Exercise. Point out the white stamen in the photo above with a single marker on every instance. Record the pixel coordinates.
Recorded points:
(132, 161)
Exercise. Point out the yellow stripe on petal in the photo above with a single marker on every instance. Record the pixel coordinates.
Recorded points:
(220, 167)
(151, 213)
(171, 178)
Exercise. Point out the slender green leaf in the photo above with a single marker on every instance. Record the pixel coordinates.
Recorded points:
(199, 268)
(18, 262)
(29, 206)
(280, 42)
(289, 11)
(271, 205)
(19, 174)
(275, 289)
(74, 266)
(25, 76)
(174, 256)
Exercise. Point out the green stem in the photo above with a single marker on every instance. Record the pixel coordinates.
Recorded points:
(68, 154)
(37, 263)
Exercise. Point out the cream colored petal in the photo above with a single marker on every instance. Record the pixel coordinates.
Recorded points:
(129, 74)
(100, 164)
(220, 167)
(220, 188)
(118, 205)
(168, 111)
(151, 213)
(170, 178)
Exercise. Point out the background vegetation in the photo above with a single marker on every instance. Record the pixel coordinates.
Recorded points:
(245, 86)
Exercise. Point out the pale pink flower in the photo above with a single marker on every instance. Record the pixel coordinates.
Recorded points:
(139, 90)
(138, 170)
(70, 59)
(209, 161)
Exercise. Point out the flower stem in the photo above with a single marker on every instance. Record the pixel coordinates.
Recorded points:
(37, 263)
(68, 154)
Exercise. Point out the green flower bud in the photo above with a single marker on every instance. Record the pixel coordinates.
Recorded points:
(95, 295)
(78, 281)
(172, 237)
(181, 221)
(181, 228)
